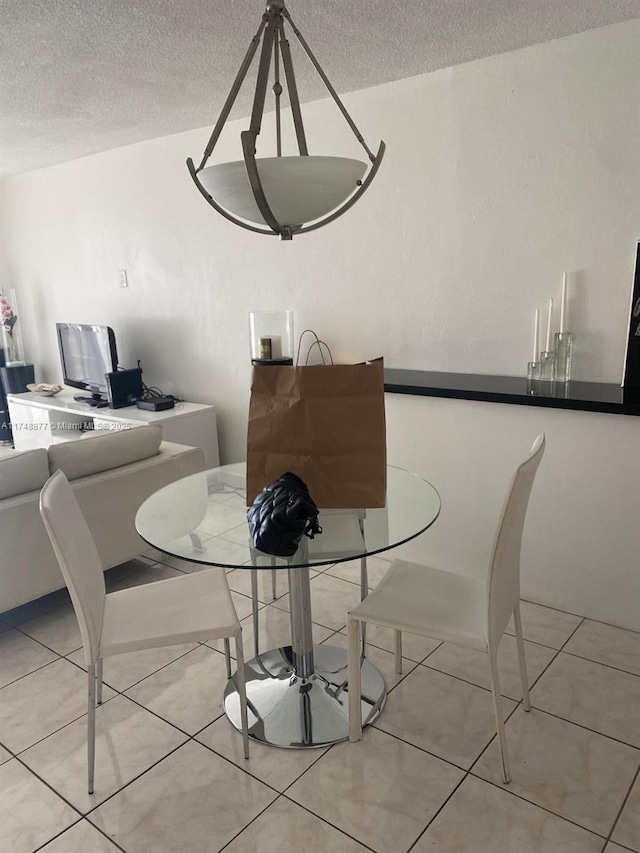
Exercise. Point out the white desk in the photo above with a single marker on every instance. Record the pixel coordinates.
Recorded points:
(38, 421)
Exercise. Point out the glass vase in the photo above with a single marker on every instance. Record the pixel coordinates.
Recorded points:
(547, 366)
(564, 346)
(11, 333)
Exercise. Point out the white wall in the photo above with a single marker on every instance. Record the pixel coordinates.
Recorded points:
(499, 174)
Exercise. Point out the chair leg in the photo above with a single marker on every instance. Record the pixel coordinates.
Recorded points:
(353, 675)
(91, 726)
(364, 591)
(522, 661)
(497, 707)
(255, 605)
(99, 681)
(274, 579)
(242, 693)
(398, 652)
(227, 656)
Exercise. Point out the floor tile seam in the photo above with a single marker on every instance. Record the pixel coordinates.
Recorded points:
(621, 846)
(51, 788)
(622, 807)
(586, 728)
(572, 634)
(524, 799)
(164, 719)
(155, 671)
(130, 782)
(531, 685)
(465, 681)
(241, 767)
(31, 672)
(328, 822)
(600, 663)
(246, 826)
(104, 702)
(59, 729)
(57, 835)
(422, 748)
(608, 624)
(36, 640)
(440, 809)
(555, 609)
(83, 818)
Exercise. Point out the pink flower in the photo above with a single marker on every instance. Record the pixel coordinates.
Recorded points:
(5, 308)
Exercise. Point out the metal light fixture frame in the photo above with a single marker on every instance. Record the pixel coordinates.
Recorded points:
(274, 42)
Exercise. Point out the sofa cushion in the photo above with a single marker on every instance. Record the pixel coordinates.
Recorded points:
(23, 471)
(104, 451)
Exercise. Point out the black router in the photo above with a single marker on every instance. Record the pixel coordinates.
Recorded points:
(156, 404)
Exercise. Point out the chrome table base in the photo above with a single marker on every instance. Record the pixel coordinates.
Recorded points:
(288, 710)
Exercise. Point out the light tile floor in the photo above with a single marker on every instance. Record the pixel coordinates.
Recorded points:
(425, 778)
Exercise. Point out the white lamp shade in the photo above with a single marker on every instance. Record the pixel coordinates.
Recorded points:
(297, 189)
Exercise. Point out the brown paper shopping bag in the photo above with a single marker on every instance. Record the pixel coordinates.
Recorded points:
(325, 423)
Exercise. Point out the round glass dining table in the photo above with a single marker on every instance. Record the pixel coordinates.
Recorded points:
(297, 695)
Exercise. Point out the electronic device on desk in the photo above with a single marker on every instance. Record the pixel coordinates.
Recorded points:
(124, 387)
(153, 400)
(156, 404)
(88, 353)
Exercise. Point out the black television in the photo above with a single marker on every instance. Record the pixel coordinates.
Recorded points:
(87, 354)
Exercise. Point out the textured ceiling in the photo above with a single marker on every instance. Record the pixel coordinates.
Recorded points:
(81, 76)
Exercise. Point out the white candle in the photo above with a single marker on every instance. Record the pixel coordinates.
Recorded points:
(549, 318)
(276, 346)
(563, 304)
(536, 336)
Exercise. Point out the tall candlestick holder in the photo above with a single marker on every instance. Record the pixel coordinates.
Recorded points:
(547, 366)
(533, 378)
(564, 347)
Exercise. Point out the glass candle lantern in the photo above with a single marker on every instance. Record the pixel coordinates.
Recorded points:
(271, 336)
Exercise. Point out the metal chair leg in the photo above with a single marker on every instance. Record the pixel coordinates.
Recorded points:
(254, 605)
(398, 653)
(354, 676)
(522, 661)
(242, 693)
(274, 579)
(497, 707)
(227, 656)
(91, 726)
(99, 681)
(364, 592)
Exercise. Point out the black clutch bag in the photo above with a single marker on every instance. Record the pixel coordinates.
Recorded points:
(281, 515)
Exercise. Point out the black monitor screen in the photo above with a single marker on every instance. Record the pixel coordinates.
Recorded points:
(87, 353)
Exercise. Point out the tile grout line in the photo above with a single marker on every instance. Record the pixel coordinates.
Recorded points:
(622, 807)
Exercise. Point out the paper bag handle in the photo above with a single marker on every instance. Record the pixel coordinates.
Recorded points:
(317, 343)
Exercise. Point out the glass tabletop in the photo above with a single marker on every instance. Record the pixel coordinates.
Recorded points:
(203, 518)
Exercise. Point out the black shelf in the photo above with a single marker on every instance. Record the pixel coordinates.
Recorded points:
(581, 396)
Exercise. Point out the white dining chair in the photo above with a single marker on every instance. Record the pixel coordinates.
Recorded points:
(195, 607)
(452, 607)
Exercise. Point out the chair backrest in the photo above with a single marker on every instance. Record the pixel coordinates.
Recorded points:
(78, 557)
(503, 583)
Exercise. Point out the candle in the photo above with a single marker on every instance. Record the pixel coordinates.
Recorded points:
(270, 347)
(536, 336)
(548, 346)
(563, 304)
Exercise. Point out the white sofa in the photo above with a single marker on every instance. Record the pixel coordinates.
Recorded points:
(111, 475)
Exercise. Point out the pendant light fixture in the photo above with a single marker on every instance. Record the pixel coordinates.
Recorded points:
(281, 195)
